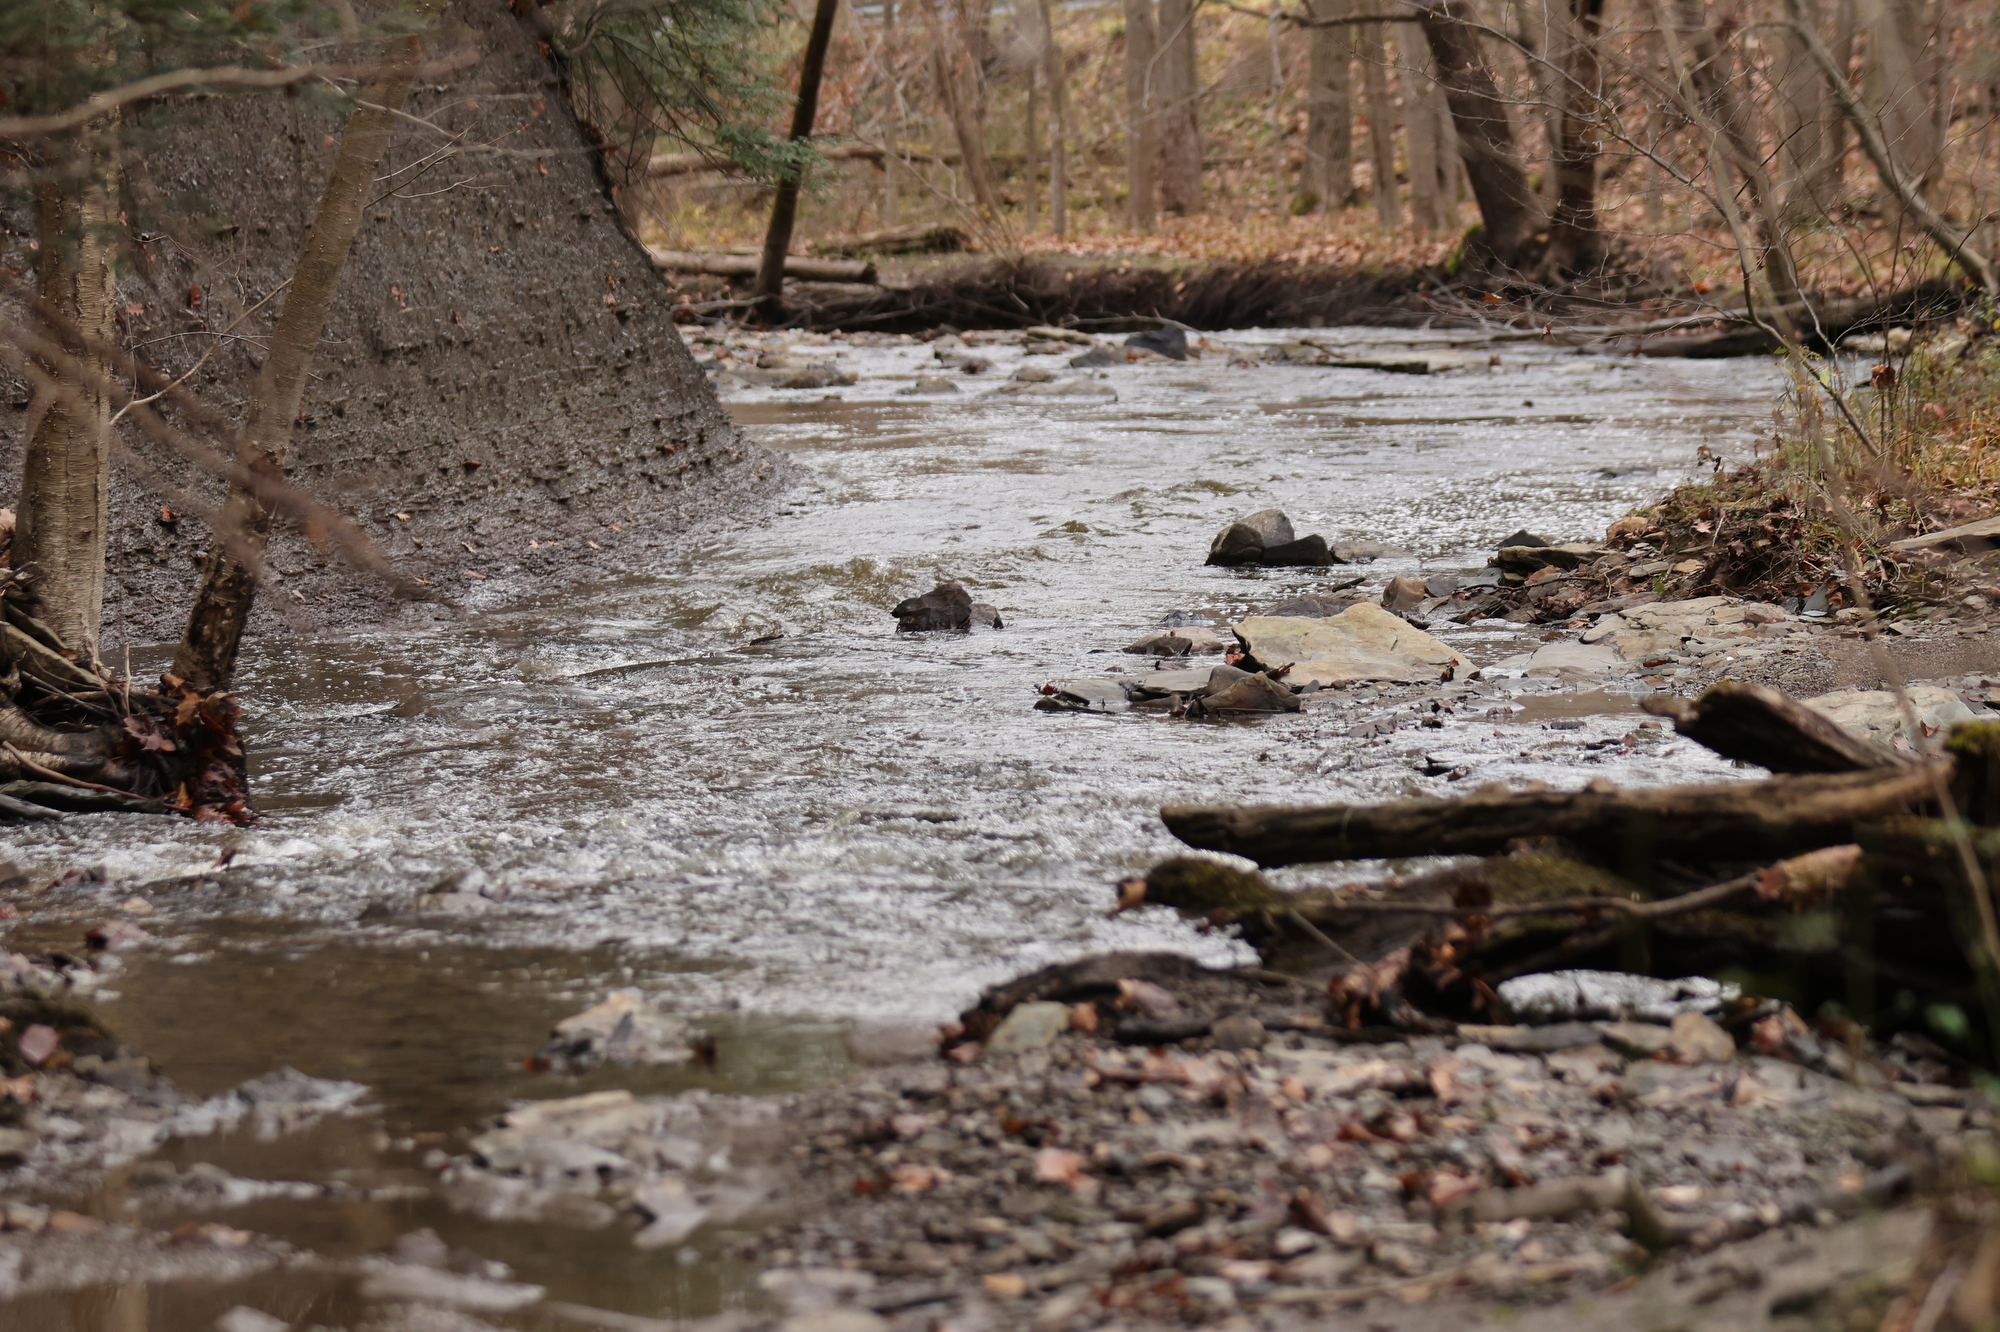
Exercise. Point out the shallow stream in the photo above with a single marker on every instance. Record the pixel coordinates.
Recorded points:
(730, 782)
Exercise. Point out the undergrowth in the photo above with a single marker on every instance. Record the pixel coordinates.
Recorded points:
(1917, 450)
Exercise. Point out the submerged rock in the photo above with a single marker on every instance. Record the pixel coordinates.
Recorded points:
(1252, 693)
(1362, 643)
(929, 384)
(622, 1029)
(1556, 996)
(1087, 695)
(1171, 343)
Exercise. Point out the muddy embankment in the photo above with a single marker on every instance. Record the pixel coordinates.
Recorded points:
(501, 388)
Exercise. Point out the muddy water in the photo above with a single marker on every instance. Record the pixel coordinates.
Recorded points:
(729, 782)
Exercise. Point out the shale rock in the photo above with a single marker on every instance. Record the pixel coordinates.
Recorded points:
(1171, 343)
(1266, 537)
(1362, 643)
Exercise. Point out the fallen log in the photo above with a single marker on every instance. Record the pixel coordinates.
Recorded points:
(1702, 824)
(1822, 325)
(1759, 725)
(923, 238)
(663, 165)
(745, 265)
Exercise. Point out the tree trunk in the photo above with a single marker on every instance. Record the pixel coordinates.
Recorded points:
(1058, 125)
(66, 474)
(1180, 126)
(1381, 124)
(1142, 100)
(770, 288)
(1802, 107)
(1576, 242)
(1031, 149)
(1508, 208)
(207, 655)
(1420, 132)
(1330, 109)
(1894, 88)
(961, 108)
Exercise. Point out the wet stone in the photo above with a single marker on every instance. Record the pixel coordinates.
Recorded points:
(1029, 1027)
(1238, 1032)
(930, 384)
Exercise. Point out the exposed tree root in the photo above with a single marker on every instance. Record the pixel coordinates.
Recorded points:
(74, 738)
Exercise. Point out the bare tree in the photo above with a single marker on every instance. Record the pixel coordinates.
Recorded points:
(1180, 125)
(66, 478)
(1142, 120)
(1510, 213)
(1329, 173)
(1381, 123)
(1052, 60)
(1576, 241)
(769, 291)
(209, 646)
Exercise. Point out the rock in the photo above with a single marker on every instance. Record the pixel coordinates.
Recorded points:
(621, 1029)
(1096, 358)
(1308, 552)
(1696, 1040)
(1362, 552)
(1239, 1031)
(986, 616)
(1185, 641)
(1403, 363)
(1626, 529)
(1252, 693)
(425, 1285)
(948, 606)
(1244, 541)
(1874, 714)
(1641, 1040)
(1552, 996)
(815, 375)
(1068, 388)
(15, 1144)
(1311, 607)
(964, 362)
(243, 1318)
(38, 1043)
(671, 1213)
(1532, 559)
(1029, 1027)
(836, 1320)
(930, 384)
(1159, 684)
(1440, 585)
(1403, 594)
(117, 936)
(1171, 343)
(802, 1290)
(1565, 660)
(1362, 643)
(891, 1042)
(1090, 695)
(1031, 374)
(1524, 538)
(1050, 333)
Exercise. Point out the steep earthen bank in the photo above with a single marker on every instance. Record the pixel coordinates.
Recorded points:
(500, 368)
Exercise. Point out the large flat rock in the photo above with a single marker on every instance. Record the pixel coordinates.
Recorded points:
(1363, 643)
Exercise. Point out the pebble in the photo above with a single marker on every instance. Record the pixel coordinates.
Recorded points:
(1029, 1027)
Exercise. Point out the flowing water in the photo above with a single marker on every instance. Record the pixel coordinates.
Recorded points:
(729, 781)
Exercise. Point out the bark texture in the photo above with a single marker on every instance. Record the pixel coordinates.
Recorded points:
(1142, 119)
(1180, 122)
(1576, 241)
(500, 363)
(1330, 108)
(1507, 206)
(66, 474)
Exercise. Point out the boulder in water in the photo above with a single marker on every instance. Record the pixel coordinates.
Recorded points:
(1168, 342)
(946, 606)
(1266, 537)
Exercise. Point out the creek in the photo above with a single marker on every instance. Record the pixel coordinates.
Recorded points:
(730, 782)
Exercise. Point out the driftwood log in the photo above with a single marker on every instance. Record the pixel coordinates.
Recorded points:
(1842, 878)
(1735, 821)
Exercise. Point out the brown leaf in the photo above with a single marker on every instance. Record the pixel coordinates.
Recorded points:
(148, 735)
